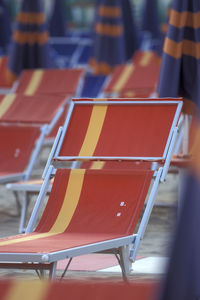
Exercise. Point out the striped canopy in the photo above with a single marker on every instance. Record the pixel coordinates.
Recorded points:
(115, 35)
(30, 48)
(5, 28)
(180, 69)
(58, 24)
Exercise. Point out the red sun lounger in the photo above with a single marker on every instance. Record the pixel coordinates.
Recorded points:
(76, 221)
(146, 58)
(52, 81)
(79, 289)
(20, 146)
(37, 109)
(34, 110)
(134, 79)
(97, 210)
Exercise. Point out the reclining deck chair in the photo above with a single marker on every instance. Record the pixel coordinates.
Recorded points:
(67, 82)
(20, 145)
(136, 79)
(52, 81)
(39, 110)
(92, 211)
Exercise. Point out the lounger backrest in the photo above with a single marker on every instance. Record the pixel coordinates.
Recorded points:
(36, 109)
(56, 81)
(17, 144)
(94, 202)
(112, 129)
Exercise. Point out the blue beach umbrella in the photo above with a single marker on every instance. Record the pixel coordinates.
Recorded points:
(30, 47)
(180, 75)
(5, 27)
(183, 274)
(112, 40)
(180, 69)
(130, 29)
(150, 18)
(58, 23)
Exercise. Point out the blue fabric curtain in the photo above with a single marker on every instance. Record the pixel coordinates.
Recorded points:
(114, 35)
(30, 47)
(180, 69)
(58, 22)
(150, 18)
(5, 26)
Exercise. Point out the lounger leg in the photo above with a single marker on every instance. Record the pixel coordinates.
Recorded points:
(17, 203)
(41, 274)
(52, 272)
(24, 207)
(125, 262)
(66, 268)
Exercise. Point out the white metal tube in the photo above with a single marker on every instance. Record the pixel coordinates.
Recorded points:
(53, 150)
(169, 155)
(38, 203)
(146, 215)
(36, 151)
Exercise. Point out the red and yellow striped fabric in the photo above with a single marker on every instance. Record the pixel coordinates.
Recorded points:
(52, 81)
(75, 214)
(100, 131)
(38, 109)
(75, 289)
(144, 58)
(136, 79)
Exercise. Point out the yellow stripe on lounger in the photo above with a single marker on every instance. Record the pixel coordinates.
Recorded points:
(145, 59)
(6, 103)
(34, 82)
(96, 165)
(32, 290)
(94, 130)
(123, 78)
(70, 202)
